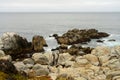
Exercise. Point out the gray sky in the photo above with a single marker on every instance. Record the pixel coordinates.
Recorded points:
(59, 5)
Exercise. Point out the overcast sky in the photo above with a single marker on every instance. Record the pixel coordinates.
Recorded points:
(59, 5)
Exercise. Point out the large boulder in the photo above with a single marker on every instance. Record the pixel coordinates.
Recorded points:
(38, 42)
(12, 43)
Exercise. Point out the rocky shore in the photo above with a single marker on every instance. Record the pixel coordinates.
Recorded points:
(23, 60)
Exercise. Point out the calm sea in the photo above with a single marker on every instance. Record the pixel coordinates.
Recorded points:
(45, 24)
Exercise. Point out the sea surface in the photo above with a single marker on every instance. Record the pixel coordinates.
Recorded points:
(46, 24)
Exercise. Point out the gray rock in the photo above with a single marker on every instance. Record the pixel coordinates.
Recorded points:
(7, 57)
(37, 66)
(20, 66)
(64, 57)
(29, 66)
(14, 43)
(40, 58)
(42, 72)
(28, 61)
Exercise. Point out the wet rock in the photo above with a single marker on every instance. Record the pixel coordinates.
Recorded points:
(7, 67)
(76, 36)
(38, 42)
(100, 41)
(55, 35)
(62, 48)
(62, 40)
(111, 40)
(78, 50)
(103, 34)
(74, 50)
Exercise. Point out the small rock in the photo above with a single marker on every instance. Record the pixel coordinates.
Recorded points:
(100, 41)
(111, 40)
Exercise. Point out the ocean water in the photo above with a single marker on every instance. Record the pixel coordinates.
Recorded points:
(46, 24)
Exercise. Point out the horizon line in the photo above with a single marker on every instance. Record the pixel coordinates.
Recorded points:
(60, 12)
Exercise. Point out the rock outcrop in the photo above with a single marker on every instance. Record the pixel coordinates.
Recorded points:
(76, 36)
(18, 47)
(13, 43)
